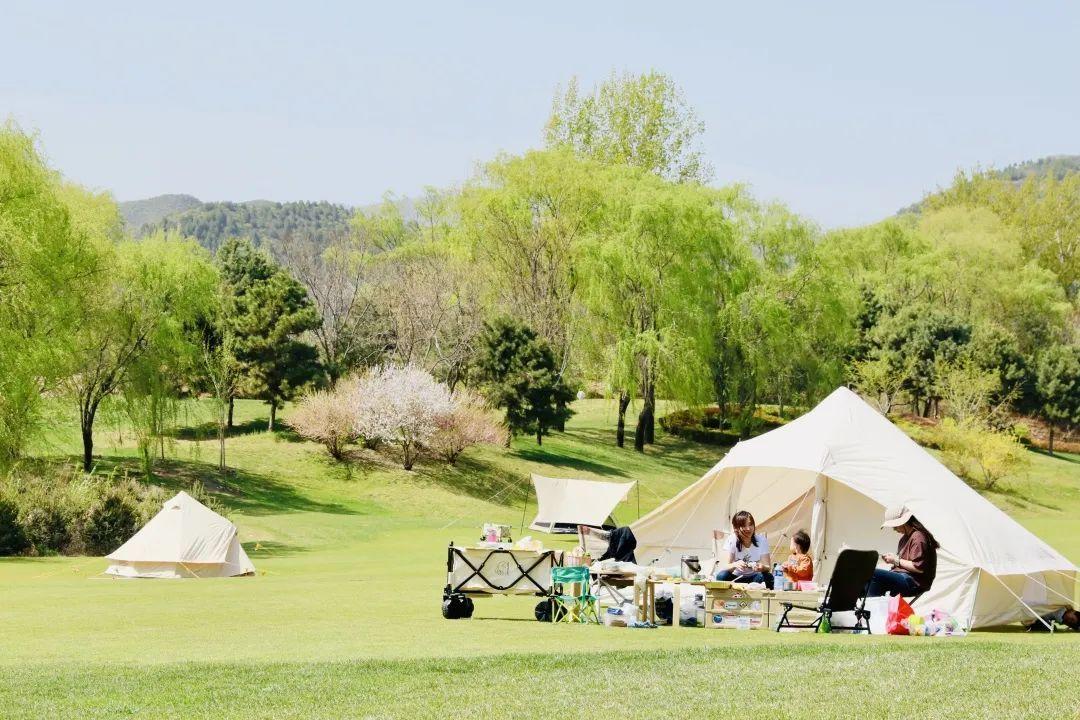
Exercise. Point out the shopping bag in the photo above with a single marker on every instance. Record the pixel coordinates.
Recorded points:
(899, 610)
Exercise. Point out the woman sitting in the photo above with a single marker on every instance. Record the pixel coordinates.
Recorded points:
(914, 565)
(745, 554)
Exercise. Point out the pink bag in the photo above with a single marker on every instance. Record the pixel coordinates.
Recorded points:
(899, 610)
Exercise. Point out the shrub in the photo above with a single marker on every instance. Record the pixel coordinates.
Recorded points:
(468, 423)
(49, 526)
(12, 538)
(326, 418)
(399, 405)
(980, 455)
(111, 521)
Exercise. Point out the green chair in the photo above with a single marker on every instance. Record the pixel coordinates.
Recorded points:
(571, 597)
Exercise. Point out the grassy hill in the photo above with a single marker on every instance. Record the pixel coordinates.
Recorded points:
(343, 618)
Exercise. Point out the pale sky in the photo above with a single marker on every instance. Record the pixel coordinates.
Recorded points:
(845, 111)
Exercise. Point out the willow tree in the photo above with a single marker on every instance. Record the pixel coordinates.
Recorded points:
(522, 222)
(156, 288)
(650, 272)
(643, 121)
(49, 265)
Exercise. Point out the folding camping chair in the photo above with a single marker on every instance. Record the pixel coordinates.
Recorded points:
(846, 592)
(571, 598)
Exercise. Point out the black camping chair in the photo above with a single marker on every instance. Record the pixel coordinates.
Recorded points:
(846, 592)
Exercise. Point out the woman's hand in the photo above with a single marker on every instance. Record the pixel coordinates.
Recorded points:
(891, 559)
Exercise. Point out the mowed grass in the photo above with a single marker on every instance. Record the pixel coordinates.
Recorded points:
(343, 619)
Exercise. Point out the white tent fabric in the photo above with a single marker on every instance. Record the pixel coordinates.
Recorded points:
(185, 539)
(575, 502)
(847, 462)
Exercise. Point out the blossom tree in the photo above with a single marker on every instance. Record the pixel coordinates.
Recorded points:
(468, 423)
(327, 418)
(400, 405)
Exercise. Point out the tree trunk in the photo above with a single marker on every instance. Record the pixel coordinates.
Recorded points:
(231, 399)
(650, 420)
(620, 428)
(88, 445)
(560, 423)
(645, 421)
(539, 436)
(273, 415)
(1051, 444)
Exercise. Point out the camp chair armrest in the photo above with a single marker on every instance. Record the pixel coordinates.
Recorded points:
(791, 605)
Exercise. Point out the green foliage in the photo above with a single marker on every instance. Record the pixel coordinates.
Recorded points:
(49, 264)
(266, 313)
(639, 120)
(12, 537)
(980, 455)
(520, 375)
(1057, 386)
(110, 521)
(265, 223)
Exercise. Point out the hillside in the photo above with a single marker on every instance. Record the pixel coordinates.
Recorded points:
(262, 221)
(1056, 165)
(137, 213)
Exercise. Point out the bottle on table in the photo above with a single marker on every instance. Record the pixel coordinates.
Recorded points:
(778, 577)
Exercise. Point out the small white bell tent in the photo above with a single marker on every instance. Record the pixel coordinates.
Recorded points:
(832, 472)
(564, 503)
(185, 539)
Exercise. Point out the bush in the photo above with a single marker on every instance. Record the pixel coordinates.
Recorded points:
(12, 538)
(468, 423)
(326, 418)
(980, 455)
(707, 425)
(48, 525)
(111, 521)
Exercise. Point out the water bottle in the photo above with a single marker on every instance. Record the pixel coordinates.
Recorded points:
(778, 577)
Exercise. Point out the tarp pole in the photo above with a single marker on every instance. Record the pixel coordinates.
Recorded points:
(524, 508)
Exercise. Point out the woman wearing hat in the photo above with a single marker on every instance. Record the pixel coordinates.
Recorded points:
(913, 567)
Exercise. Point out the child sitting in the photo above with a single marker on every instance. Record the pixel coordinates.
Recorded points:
(800, 566)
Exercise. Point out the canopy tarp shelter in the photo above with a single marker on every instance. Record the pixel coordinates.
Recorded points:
(832, 472)
(564, 503)
(185, 539)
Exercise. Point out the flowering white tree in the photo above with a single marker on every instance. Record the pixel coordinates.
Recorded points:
(468, 423)
(400, 405)
(327, 418)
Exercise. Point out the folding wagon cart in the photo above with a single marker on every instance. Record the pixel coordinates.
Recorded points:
(486, 571)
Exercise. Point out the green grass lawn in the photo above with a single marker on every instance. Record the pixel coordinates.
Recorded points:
(343, 619)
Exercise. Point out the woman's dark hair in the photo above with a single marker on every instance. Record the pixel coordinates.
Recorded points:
(914, 522)
(802, 540)
(737, 521)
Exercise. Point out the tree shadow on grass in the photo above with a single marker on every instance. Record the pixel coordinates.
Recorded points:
(1015, 497)
(262, 549)
(239, 490)
(478, 479)
(1075, 459)
(669, 451)
(548, 457)
(207, 431)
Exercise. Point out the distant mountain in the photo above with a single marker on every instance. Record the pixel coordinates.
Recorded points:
(263, 221)
(1057, 165)
(137, 213)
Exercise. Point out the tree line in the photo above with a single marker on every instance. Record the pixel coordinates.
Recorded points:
(604, 262)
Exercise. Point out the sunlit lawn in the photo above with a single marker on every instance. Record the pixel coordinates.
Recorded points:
(343, 619)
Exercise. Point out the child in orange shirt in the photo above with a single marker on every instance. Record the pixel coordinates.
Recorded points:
(800, 566)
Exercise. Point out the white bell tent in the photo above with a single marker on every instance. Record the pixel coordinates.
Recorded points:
(832, 472)
(564, 503)
(185, 539)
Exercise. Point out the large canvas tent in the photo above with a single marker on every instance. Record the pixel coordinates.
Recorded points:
(832, 472)
(564, 503)
(185, 539)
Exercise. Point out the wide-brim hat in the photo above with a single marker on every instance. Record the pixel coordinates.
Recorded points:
(895, 516)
